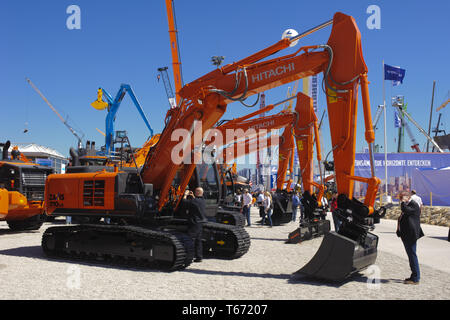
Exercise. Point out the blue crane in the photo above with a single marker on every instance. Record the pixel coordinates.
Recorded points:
(113, 106)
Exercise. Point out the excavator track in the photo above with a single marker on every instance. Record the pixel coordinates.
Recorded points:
(224, 241)
(128, 246)
(231, 218)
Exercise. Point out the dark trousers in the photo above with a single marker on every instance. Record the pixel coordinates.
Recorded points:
(294, 213)
(246, 213)
(269, 215)
(261, 211)
(413, 261)
(196, 232)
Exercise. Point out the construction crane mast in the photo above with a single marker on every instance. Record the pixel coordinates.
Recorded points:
(80, 143)
(176, 61)
(167, 86)
(399, 107)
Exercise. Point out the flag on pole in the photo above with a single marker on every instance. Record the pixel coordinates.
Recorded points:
(396, 74)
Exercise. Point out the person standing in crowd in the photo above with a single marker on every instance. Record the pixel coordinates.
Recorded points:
(195, 210)
(417, 199)
(238, 198)
(295, 204)
(246, 202)
(325, 203)
(409, 230)
(301, 208)
(260, 203)
(333, 206)
(267, 208)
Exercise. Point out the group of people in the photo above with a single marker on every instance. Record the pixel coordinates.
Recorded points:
(408, 226)
(262, 199)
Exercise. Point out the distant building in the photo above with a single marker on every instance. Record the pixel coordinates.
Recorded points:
(42, 155)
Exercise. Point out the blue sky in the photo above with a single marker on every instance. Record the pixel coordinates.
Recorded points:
(125, 42)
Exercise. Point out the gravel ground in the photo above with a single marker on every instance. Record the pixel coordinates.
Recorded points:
(264, 273)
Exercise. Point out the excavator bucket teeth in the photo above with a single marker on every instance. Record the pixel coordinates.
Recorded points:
(339, 257)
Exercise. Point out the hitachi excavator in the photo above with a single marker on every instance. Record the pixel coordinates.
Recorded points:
(261, 140)
(147, 202)
(21, 190)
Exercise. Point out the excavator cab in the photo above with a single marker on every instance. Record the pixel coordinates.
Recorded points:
(209, 177)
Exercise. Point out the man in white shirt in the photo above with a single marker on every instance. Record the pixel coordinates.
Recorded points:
(416, 198)
(246, 202)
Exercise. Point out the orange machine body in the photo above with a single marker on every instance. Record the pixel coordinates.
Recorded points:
(20, 181)
(92, 193)
(14, 206)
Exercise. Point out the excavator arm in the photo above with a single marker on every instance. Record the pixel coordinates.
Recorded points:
(205, 100)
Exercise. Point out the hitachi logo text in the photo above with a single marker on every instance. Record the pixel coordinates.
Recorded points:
(263, 125)
(278, 71)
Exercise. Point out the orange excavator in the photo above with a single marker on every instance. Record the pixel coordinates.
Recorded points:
(22, 185)
(146, 203)
(256, 141)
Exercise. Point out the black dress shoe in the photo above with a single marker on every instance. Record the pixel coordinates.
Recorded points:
(410, 281)
(198, 260)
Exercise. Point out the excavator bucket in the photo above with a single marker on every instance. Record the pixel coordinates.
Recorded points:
(282, 210)
(339, 257)
(99, 104)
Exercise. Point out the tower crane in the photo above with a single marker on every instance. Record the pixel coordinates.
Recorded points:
(170, 95)
(71, 129)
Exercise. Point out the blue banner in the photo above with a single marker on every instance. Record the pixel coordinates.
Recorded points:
(432, 185)
(394, 73)
(400, 170)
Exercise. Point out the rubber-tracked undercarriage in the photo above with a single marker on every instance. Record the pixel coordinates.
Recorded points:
(134, 232)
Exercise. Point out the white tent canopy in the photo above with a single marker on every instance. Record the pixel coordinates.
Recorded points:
(36, 150)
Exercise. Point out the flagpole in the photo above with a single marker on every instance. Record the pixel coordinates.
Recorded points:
(385, 139)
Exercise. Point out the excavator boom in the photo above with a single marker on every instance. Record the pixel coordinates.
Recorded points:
(206, 99)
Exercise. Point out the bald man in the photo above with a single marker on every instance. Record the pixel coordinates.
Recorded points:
(196, 213)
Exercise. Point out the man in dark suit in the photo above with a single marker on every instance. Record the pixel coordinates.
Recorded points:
(409, 230)
(196, 215)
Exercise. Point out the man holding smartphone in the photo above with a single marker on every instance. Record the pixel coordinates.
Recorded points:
(409, 230)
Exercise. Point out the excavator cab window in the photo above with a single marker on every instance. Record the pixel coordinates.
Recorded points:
(208, 181)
